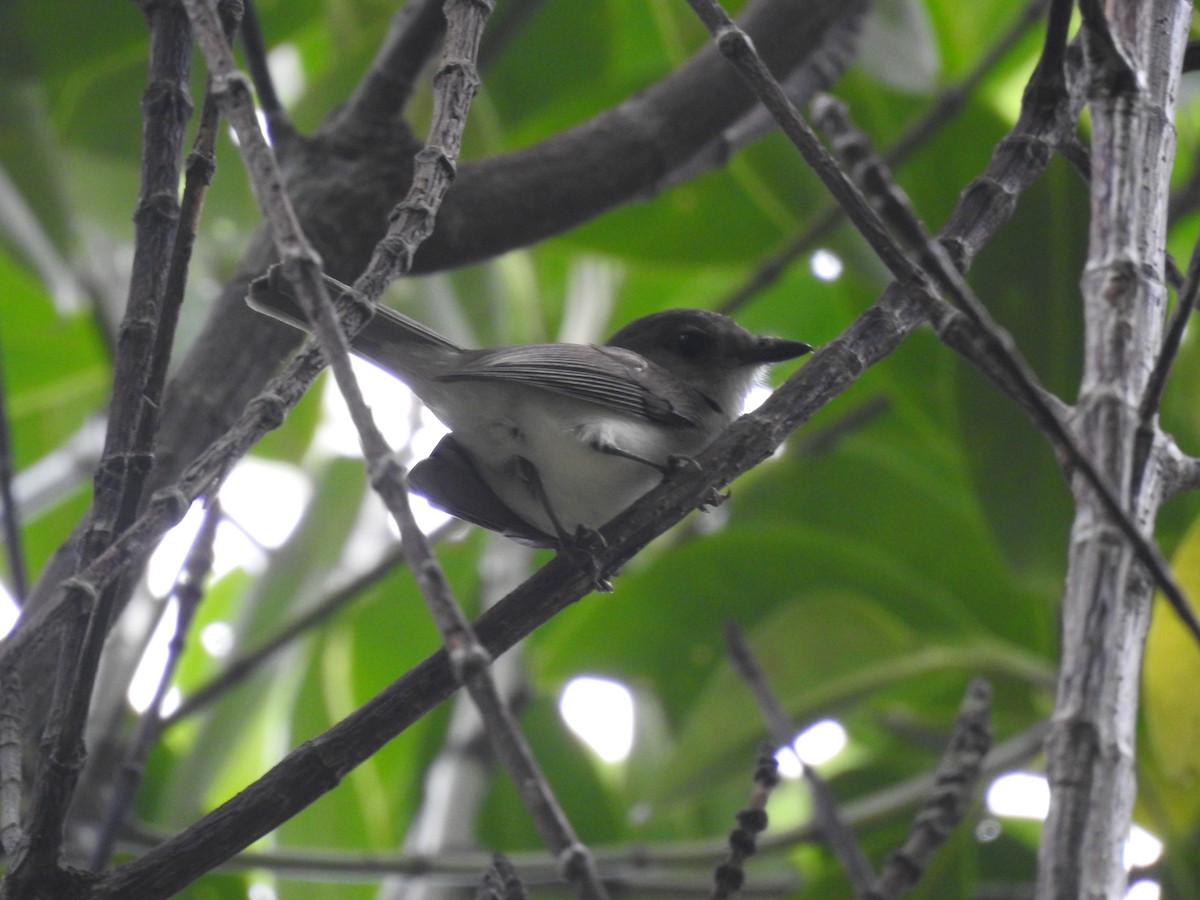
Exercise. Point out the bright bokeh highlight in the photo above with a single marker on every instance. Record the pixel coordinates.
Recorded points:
(1141, 849)
(167, 559)
(153, 663)
(263, 501)
(1144, 890)
(600, 712)
(816, 744)
(393, 407)
(1025, 795)
(217, 639)
(826, 265)
(402, 419)
(287, 72)
(1021, 795)
(8, 611)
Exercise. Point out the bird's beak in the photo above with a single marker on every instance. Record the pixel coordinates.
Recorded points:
(772, 350)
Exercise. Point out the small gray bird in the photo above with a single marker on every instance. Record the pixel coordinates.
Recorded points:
(548, 442)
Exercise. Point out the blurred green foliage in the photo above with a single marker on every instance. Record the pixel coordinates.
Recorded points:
(874, 577)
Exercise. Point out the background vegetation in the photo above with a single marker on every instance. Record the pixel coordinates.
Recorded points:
(913, 535)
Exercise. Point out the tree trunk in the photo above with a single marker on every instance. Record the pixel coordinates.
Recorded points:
(1132, 84)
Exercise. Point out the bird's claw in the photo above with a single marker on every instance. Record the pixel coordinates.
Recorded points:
(678, 463)
(584, 547)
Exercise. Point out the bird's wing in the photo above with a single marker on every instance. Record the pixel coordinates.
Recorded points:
(607, 376)
(449, 481)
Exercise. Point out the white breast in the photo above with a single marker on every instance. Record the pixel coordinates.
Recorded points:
(559, 438)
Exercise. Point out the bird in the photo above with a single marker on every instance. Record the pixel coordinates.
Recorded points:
(549, 442)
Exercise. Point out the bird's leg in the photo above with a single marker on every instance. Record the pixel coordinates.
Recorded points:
(675, 464)
(528, 473)
(584, 544)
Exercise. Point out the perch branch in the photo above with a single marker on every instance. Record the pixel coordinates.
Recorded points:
(783, 732)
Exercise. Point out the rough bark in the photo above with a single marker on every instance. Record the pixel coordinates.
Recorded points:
(1134, 52)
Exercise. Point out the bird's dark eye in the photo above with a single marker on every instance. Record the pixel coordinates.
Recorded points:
(694, 344)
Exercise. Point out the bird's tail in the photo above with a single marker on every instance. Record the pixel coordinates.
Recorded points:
(388, 335)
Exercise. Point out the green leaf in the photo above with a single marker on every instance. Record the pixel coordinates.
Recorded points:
(1013, 470)
(590, 804)
(55, 370)
(239, 737)
(1172, 664)
(823, 655)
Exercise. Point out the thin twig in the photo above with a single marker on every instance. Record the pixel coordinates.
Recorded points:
(936, 264)
(946, 805)
(948, 102)
(454, 783)
(188, 591)
(312, 769)
(735, 45)
(120, 476)
(12, 722)
(454, 85)
(1185, 305)
(279, 126)
(816, 72)
(242, 667)
(783, 732)
(13, 548)
(1016, 376)
(470, 662)
(730, 875)
(541, 867)
(412, 221)
(199, 170)
(1148, 431)
(853, 149)
(501, 881)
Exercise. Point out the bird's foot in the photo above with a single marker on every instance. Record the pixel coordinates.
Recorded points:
(584, 548)
(678, 463)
